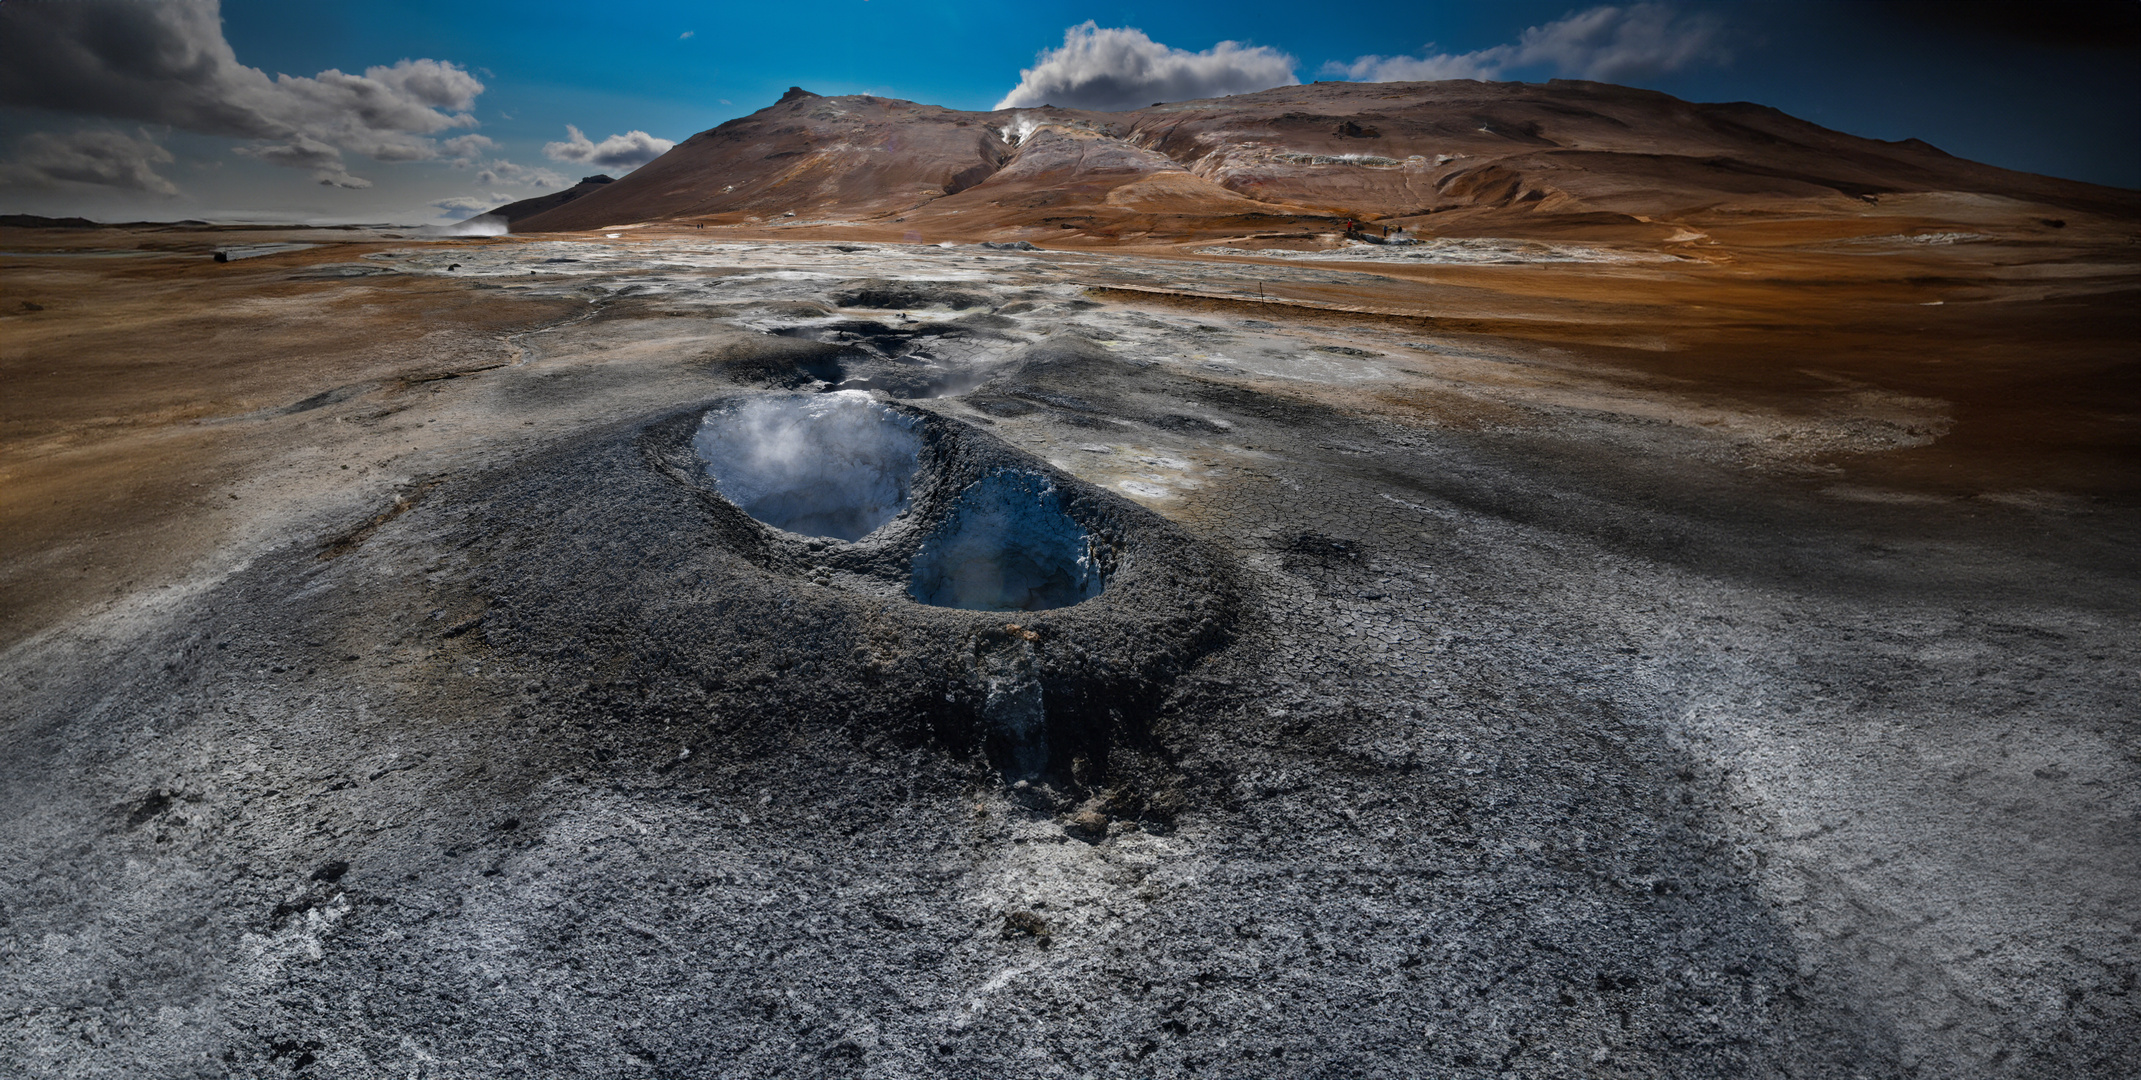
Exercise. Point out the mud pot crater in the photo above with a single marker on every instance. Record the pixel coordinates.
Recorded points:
(938, 582)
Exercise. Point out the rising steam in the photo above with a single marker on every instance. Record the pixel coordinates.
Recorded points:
(480, 225)
(1019, 129)
(836, 464)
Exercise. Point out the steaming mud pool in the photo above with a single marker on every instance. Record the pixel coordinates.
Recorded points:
(843, 466)
(838, 466)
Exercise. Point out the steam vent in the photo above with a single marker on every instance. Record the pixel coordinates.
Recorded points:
(1410, 579)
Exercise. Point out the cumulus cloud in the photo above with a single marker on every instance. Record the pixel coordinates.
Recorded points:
(1611, 44)
(435, 83)
(621, 152)
(168, 63)
(305, 152)
(466, 147)
(299, 153)
(466, 152)
(499, 172)
(111, 159)
(1115, 69)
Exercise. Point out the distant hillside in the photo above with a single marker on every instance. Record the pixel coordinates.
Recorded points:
(1443, 155)
(35, 221)
(515, 211)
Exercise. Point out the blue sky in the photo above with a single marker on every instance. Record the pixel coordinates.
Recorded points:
(2045, 88)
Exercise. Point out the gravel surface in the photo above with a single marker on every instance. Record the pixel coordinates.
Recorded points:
(1554, 730)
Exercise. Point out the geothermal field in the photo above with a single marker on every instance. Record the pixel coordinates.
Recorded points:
(884, 591)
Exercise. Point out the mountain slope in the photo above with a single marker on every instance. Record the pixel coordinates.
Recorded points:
(853, 156)
(1440, 154)
(514, 211)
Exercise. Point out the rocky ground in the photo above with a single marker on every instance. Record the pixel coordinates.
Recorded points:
(1534, 688)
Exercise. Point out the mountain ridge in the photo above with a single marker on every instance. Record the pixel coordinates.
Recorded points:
(1435, 155)
(514, 211)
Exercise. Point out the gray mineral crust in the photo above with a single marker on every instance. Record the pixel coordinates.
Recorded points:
(1185, 711)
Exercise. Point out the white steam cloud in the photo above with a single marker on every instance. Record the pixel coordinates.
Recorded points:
(620, 152)
(1611, 44)
(1008, 547)
(1019, 129)
(169, 63)
(835, 464)
(1115, 69)
(94, 158)
(486, 225)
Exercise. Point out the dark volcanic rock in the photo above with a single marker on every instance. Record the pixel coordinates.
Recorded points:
(744, 806)
(694, 596)
(579, 739)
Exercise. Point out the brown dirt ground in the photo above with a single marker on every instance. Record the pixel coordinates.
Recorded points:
(118, 440)
(118, 444)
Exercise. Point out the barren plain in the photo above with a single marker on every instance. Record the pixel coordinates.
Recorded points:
(1616, 654)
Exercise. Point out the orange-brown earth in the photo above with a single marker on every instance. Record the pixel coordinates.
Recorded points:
(1795, 262)
(139, 387)
(1455, 158)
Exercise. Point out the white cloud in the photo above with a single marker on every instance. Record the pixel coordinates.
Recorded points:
(435, 83)
(1114, 69)
(468, 147)
(339, 178)
(621, 152)
(499, 171)
(95, 158)
(299, 153)
(169, 63)
(686, 35)
(1611, 44)
(304, 152)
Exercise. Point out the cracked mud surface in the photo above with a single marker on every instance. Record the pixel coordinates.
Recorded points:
(1514, 701)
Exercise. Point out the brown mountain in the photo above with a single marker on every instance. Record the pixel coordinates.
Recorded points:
(1447, 156)
(514, 211)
